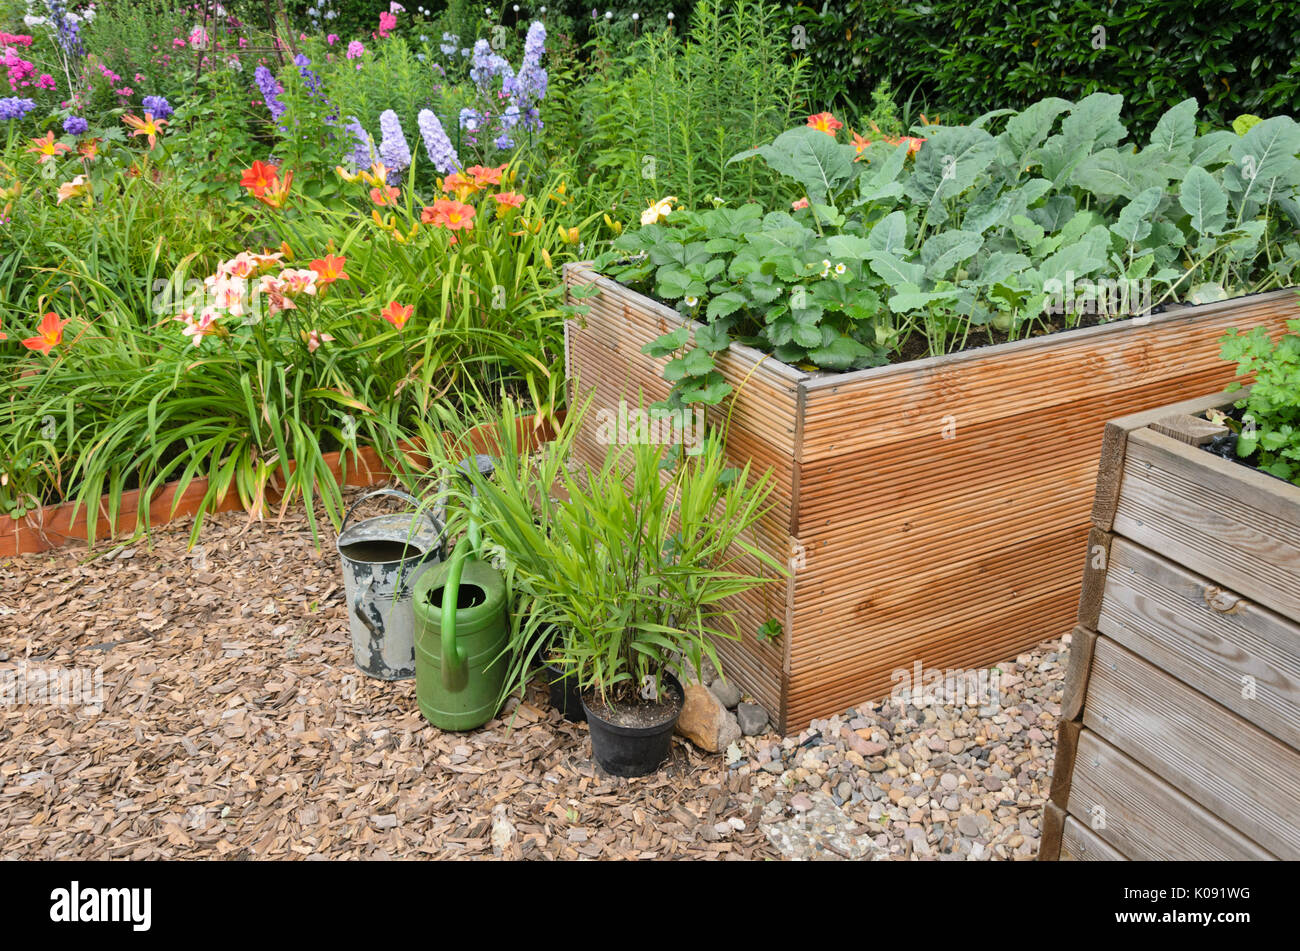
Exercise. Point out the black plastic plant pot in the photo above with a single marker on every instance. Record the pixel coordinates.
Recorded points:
(633, 751)
(565, 695)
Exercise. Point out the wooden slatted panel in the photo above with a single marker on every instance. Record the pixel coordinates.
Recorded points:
(1232, 524)
(1238, 772)
(895, 606)
(870, 408)
(833, 688)
(1205, 636)
(1081, 844)
(1144, 817)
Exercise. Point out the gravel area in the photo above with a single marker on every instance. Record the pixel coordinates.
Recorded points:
(891, 781)
(232, 723)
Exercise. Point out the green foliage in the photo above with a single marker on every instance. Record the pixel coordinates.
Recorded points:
(982, 236)
(1271, 438)
(664, 118)
(963, 58)
(124, 401)
(629, 566)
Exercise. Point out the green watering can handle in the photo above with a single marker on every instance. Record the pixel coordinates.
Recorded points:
(455, 673)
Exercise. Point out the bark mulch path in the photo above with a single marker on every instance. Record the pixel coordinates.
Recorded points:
(232, 723)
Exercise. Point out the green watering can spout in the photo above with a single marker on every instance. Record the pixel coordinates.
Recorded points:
(455, 671)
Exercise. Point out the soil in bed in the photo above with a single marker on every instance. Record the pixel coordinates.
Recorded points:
(637, 713)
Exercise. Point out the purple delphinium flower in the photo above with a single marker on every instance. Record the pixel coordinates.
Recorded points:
(75, 125)
(469, 119)
(363, 147)
(531, 81)
(450, 43)
(436, 144)
(270, 91)
(158, 106)
(393, 150)
(310, 78)
(486, 64)
(15, 108)
(504, 142)
(67, 31)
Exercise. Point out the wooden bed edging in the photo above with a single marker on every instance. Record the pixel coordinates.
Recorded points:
(54, 526)
(930, 511)
(1180, 736)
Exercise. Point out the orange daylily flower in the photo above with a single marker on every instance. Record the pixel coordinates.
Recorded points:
(50, 334)
(385, 196)
(825, 122)
(149, 127)
(4, 336)
(453, 215)
(860, 144)
(46, 148)
(485, 176)
(508, 199)
(801, 203)
(396, 314)
(89, 148)
(329, 269)
(260, 177)
(456, 182)
(277, 193)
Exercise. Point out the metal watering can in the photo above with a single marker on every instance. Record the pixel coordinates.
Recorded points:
(461, 631)
(383, 559)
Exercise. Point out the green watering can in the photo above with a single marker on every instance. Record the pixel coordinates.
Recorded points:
(461, 630)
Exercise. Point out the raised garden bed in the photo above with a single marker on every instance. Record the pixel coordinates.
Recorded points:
(932, 511)
(1180, 733)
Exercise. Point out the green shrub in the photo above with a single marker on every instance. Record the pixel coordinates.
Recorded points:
(962, 58)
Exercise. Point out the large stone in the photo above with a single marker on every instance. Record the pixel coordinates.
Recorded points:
(752, 719)
(726, 691)
(705, 721)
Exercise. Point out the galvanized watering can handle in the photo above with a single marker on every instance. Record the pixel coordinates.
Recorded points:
(396, 493)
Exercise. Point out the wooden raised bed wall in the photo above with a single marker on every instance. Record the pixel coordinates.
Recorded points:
(933, 510)
(1180, 732)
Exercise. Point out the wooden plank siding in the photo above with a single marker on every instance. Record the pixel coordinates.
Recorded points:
(1216, 758)
(957, 552)
(1144, 817)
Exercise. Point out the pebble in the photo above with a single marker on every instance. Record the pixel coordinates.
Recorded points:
(934, 782)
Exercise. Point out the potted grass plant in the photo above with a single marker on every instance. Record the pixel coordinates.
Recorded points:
(632, 566)
(642, 557)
